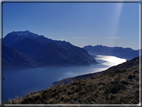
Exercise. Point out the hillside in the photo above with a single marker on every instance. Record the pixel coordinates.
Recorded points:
(119, 85)
(14, 59)
(53, 55)
(123, 66)
(27, 46)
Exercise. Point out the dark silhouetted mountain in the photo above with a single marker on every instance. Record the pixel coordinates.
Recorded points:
(83, 54)
(66, 45)
(16, 36)
(47, 55)
(74, 49)
(30, 44)
(126, 53)
(14, 59)
(27, 46)
(52, 54)
(43, 40)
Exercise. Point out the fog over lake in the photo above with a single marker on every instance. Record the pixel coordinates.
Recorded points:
(20, 82)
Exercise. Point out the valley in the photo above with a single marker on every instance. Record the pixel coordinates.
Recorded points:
(67, 52)
(34, 63)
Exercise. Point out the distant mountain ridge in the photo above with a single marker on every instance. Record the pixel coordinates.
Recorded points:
(47, 51)
(126, 53)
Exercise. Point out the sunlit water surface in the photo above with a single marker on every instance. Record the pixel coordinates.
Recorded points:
(20, 82)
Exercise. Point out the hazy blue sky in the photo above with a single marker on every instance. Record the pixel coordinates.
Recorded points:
(110, 24)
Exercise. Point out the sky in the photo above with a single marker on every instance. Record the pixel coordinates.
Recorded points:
(81, 24)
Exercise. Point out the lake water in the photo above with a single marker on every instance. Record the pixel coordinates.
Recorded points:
(21, 82)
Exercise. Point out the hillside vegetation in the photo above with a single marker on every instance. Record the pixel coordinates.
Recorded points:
(113, 86)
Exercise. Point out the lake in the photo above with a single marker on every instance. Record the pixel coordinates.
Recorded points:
(21, 82)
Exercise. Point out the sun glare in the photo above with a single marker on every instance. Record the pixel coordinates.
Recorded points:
(110, 60)
(115, 21)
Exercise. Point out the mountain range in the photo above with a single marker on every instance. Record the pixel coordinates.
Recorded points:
(44, 51)
(47, 52)
(120, 52)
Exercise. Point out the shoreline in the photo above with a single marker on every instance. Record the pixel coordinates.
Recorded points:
(69, 79)
(129, 67)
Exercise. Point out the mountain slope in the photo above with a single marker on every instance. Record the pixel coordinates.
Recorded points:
(83, 54)
(27, 46)
(16, 36)
(126, 53)
(30, 44)
(14, 59)
(52, 54)
(117, 86)
(68, 46)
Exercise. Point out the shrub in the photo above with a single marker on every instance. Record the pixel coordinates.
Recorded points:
(101, 83)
